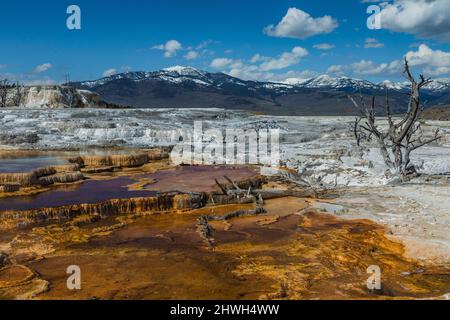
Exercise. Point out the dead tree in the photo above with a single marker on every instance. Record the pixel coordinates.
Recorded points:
(5, 85)
(18, 94)
(360, 135)
(401, 138)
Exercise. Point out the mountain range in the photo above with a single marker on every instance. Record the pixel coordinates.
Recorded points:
(187, 87)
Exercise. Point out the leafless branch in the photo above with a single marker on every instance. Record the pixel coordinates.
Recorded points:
(401, 138)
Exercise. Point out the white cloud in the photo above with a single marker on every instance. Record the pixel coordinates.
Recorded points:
(27, 78)
(324, 46)
(367, 68)
(109, 72)
(435, 62)
(205, 44)
(425, 60)
(373, 43)
(240, 69)
(299, 24)
(220, 63)
(259, 67)
(285, 60)
(245, 71)
(170, 48)
(257, 58)
(336, 69)
(191, 55)
(424, 18)
(42, 68)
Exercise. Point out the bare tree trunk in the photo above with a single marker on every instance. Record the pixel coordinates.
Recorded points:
(401, 138)
(19, 94)
(4, 87)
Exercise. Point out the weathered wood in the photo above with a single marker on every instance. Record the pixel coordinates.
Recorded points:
(206, 231)
(401, 138)
(224, 190)
(233, 183)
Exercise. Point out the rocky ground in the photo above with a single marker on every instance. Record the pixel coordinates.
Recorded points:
(197, 247)
(295, 243)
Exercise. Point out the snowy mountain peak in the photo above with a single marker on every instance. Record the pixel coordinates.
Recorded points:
(438, 85)
(326, 81)
(187, 76)
(295, 81)
(393, 85)
(184, 71)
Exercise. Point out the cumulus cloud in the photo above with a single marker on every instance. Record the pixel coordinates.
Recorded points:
(237, 68)
(425, 60)
(257, 58)
(253, 72)
(299, 24)
(205, 44)
(191, 55)
(42, 68)
(373, 43)
(109, 72)
(220, 63)
(191, 52)
(259, 67)
(435, 62)
(28, 78)
(424, 18)
(246, 71)
(366, 68)
(336, 69)
(170, 48)
(285, 60)
(324, 46)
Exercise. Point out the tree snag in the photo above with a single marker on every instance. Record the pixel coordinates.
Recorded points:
(401, 138)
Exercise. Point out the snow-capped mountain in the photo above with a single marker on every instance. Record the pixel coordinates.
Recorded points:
(185, 71)
(183, 87)
(295, 81)
(176, 74)
(394, 85)
(438, 85)
(180, 74)
(188, 76)
(326, 81)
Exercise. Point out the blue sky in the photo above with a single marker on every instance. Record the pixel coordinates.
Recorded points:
(248, 38)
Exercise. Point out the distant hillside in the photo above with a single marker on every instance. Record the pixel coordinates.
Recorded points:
(185, 87)
(437, 113)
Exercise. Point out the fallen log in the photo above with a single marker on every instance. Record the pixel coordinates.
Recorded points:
(206, 231)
